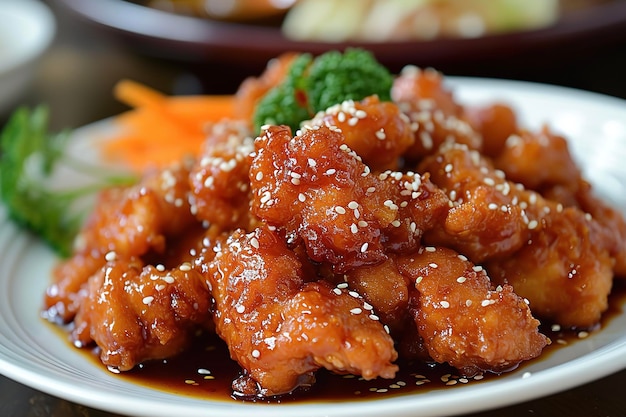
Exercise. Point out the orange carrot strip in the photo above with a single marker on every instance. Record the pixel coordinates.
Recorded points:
(162, 129)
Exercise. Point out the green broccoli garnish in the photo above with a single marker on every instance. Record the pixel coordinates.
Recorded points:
(29, 156)
(312, 85)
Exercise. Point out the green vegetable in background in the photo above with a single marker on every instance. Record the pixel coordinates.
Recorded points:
(314, 84)
(29, 156)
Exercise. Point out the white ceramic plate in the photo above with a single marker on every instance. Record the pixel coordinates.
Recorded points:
(31, 352)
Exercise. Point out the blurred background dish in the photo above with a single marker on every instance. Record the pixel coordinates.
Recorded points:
(27, 28)
(181, 34)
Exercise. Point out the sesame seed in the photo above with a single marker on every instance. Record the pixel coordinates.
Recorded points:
(354, 228)
(468, 303)
(330, 171)
(430, 249)
(352, 205)
(353, 294)
(433, 265)
(186, 266)
(362, 223)
(240, 308)
(337, 291)
(312, 162)
(492, 206)
(301, 197)
(356, 311)
(340, 210)
(147, 300)
(110, 256)
(444, 304)
(380, 134)
(532, 224)
(259, 176)
(364, 247)
(343, 285)
(254, 242)
(256, 353)
(169, 279)
(461, 280)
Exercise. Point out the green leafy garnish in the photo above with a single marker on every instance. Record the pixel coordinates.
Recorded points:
(29, 157)
(315, 84)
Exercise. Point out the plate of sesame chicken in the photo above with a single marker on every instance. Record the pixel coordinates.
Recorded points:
(455, 247)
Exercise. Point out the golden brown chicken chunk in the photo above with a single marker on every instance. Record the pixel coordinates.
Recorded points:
(280, 328)
(134, 221)
(435, 117)
(527, 241)
(136, 313)
(463, 320)
(564, 270)
(377, 131)
(318, 189)
(220, 189)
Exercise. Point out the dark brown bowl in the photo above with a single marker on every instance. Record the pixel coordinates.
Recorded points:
(193, 39)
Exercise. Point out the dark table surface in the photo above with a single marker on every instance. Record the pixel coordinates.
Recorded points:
(76, 76)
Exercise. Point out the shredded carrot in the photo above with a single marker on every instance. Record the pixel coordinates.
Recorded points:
(161, 129)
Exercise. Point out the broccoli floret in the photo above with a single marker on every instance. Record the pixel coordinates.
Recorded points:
(312, 85)
(29, 156)
(353, 75)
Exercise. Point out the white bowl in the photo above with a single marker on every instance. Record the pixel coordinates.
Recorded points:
(27, 28)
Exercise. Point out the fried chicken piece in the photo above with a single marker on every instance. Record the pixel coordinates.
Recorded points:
(435, 116)
(136, 313)
(318, 189)
(611, 220)
(463, 320)
(281, 329)
(220, 189)
(252, 89)
(495, 122)
(543, 162)
(132, 221)
(377, 131)
(490, 216)
(537, 160)
(386, 290)
(564, 270)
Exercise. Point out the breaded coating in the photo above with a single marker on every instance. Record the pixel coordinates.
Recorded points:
(542, 161)
(318, 189)
(490, 216)
(495, 122)
(377, 131)
(136, 313)
(132, 221)
(435, 116)
(220, 189)
(537, 159)
(465, 321)
(527, 241)
(564, 270)
(386, 290)
(280, 328)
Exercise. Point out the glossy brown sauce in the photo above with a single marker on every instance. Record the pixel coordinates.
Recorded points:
(206, 370)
